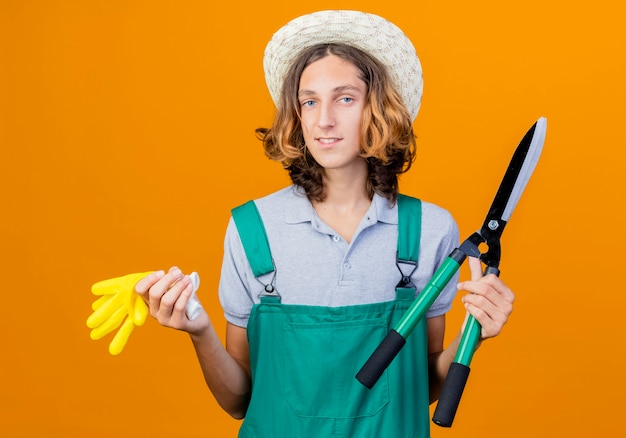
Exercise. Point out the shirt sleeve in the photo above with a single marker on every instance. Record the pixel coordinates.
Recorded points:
(445, 227)
(236, 280)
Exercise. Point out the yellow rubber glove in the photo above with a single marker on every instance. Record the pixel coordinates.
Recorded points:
(119, 305)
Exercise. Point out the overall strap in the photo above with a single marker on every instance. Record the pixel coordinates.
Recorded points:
(409, 234)
(254, 238)
(257, 249)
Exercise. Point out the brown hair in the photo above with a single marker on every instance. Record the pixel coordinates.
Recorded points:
(387, 138)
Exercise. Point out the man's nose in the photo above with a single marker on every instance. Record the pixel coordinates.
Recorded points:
(326, 116)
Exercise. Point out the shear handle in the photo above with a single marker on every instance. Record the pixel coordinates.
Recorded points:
(458, 373)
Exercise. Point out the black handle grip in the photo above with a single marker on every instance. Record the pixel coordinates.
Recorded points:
(492, 270)
(451, 394)
(381, 358)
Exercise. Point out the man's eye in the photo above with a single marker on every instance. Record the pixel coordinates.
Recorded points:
(346, 99)
(308, 103)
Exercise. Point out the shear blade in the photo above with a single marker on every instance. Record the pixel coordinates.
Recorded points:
(518, 173)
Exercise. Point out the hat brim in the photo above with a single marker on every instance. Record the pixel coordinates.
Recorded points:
(368, 32)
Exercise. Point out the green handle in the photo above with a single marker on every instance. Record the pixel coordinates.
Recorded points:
(454, 384)
(471, 334)
(430, 293)
(396, 338)
(469, 341)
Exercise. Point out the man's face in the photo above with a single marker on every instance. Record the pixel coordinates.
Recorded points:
(332, 97)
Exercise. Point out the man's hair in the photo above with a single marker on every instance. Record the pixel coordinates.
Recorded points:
(387, 138)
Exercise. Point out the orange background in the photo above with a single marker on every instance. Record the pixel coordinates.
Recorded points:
(126, 130)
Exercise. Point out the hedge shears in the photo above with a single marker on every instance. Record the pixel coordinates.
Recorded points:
(514, 182)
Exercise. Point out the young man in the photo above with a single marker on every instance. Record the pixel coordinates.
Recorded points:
(347, 86)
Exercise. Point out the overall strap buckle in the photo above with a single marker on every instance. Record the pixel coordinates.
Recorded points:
(405, 281)
(269, 290)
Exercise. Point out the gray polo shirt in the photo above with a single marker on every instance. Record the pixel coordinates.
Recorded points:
(317, 267)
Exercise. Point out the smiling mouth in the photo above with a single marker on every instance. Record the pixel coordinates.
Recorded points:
(328, 140)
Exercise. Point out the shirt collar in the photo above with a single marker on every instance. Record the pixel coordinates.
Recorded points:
(302, 211)
(382, 210)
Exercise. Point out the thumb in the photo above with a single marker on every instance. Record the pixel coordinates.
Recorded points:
(476, 269)
(142, 282)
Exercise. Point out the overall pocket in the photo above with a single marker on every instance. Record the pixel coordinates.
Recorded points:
(321, 364)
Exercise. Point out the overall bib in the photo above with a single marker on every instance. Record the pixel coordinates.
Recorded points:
(304, 358)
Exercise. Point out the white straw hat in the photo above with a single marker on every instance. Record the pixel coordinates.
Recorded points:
(368, 32)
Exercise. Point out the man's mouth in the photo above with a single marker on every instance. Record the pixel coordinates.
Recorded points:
(328, 140)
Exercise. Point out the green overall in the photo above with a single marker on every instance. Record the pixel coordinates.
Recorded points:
(304, 358)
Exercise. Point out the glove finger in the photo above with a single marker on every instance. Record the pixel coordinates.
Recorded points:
(109, 325)
(113, 285)
(100, 301)
(140, 311)
(121, 337)
(105, 310)
(107, 287)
